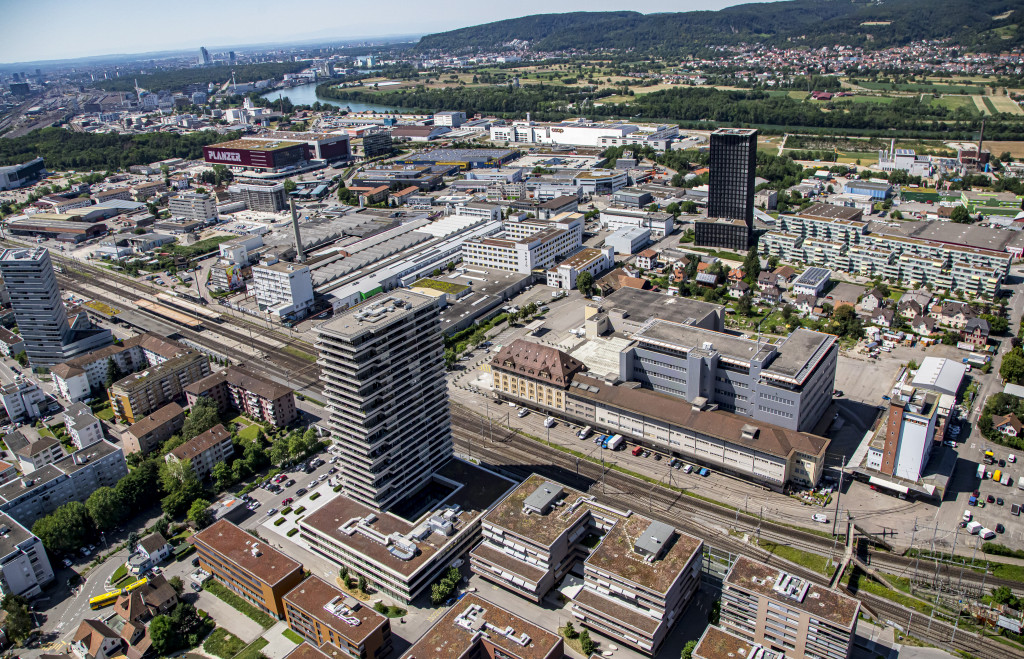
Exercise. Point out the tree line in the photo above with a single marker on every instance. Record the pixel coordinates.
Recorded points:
(63, 149)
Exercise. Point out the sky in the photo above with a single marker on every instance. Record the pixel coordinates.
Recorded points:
(33, 30)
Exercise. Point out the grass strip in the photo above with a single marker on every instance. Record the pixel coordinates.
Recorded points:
(231, 599)
(223, 643)
(292, 636)
(301, 354)
(252, 651)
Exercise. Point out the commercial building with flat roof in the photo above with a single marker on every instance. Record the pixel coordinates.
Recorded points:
(322, 613)
(902, 445)
(393, 432)
(718, 643)
(766, 606)
(421, 176)
(319, 146)
(283, 289)
(541, 530)
(527, 245)
(401, 553)
(256, 153)
(476, 627)
(266, 197)
(17, 176)
(247, 565)
(590, 260)
(463, 158)
(194, 207)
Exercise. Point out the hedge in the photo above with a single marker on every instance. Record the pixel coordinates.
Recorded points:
(315, 496)
(279, 521)
(292, 532)
(300, 510)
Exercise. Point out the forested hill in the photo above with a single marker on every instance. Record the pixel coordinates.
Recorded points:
(983, 24)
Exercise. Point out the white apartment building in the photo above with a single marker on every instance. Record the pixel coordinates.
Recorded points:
(283, 289)
(594, 261)
(72, 478)
(22, 399)
(193, 206)
(84, 428)
(526, 245)
(660, 224)
(24, 565)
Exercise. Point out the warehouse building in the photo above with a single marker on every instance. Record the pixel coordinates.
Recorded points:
(258, 154)
(319, 146)
(464, 159)
(18, 176)
(421, 176)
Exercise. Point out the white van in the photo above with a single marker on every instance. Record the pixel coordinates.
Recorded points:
(974, 527)
(548, 422)
(583, 434)
(986, 534)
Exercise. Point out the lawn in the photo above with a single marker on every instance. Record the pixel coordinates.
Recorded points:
(119, 574)
(819, 564)
(248, 610)
(249, 433)
(438, 285)
(301, 354)
(223, 643)
(292, 636)
(954, 102)
(252, 651)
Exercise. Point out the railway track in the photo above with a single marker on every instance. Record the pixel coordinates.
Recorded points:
(300, 373)
(521, 456)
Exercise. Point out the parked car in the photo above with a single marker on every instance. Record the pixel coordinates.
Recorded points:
(820, 518)
(291, 481)
(704, 471)
(522, 412)
(990, 499)
(299, 492)
(1000, 528)
(999, 501)
(195, 562)
(272, 511)
(67, 562)
(287, 502)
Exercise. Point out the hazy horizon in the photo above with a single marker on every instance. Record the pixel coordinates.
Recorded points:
(56, 30)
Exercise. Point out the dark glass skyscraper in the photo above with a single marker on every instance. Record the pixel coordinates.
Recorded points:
(733, 160)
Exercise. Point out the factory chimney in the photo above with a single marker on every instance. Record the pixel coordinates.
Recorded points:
(981, 139)
(300, 256)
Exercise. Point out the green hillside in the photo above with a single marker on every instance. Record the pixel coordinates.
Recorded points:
(811, 23)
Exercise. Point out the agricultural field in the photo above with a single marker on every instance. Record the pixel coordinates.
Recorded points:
(1005, 104)
(979, 102)
(952, 102)
(1016, 149)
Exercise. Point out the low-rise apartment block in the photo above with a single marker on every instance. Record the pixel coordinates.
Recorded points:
(247, 565)
(140, 394)
(22, 399)
(242, 390)
(72, 478)
(33, 450)
(149, 432)
(541, 530)
(788, 614)
(79, 378)
(938, 255)
(475, 627)
(204, 451)
(718, 643)
(24, 566)
(322, 613)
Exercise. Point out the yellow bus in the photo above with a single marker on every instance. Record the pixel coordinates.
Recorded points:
(106, 599)
(135, 584)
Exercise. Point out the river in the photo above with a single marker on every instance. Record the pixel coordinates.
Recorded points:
(306, 95)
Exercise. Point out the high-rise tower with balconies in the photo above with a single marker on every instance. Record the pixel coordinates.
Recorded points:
(382, 365)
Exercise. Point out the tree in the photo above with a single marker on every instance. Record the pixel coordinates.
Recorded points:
(751, 266)
(745, 305)
(199, 513)
(569, 631)
(586, 644)
(65, 529)
(181, 485)
(203, 416)
(585, 283)
(847, 323)
(362, 584)
(105, 508)
(177, 584)
(1012, 368)
(19, 624)
(163, 635)
(222, 476)
(343, 573)
(289, 186)
(997, 324)
(113, 372)
(688, 649)
(960, 215)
